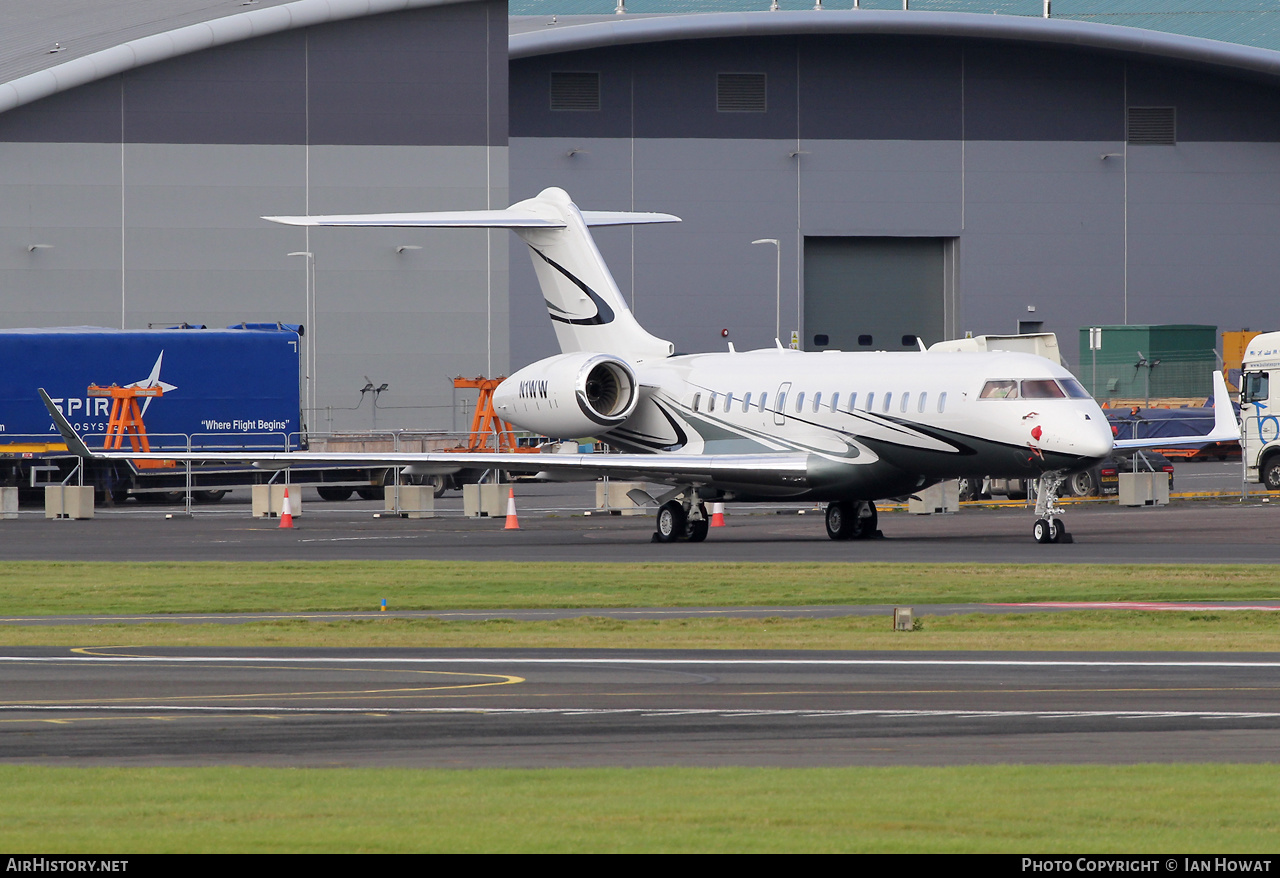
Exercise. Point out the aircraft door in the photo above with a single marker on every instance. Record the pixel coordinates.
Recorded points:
(780, 403)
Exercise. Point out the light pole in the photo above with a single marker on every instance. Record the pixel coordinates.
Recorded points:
(309, 328)
(777, 320)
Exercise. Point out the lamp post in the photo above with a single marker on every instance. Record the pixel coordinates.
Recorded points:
(777, 320)
(308, 317)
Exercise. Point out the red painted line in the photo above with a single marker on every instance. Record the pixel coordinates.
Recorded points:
(1142, 605)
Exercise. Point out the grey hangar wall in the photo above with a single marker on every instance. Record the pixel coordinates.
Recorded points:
(146, 186)
(1015, 153)
(145, 190)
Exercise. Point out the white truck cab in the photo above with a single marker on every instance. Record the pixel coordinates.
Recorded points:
(1260, 410)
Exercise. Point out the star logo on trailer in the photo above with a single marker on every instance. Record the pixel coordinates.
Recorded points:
(153, 380)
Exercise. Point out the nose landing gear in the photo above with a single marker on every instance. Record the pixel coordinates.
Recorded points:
(1049, 528)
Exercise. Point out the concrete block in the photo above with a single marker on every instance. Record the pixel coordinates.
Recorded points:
(1144, 489)
(68, 501)
(8, 502)
(410, 501)
(612, 496)
(484, 500)
(939, 498)
(268, 500)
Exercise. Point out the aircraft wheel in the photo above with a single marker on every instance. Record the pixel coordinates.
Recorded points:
(696, 531)
(1059, 532)
(842, 520)
(671, 522)
(868, 525)
(1043, 531)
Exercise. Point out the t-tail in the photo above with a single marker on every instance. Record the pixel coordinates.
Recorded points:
(583, 300)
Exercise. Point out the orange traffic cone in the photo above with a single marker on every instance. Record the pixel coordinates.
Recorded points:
(717, 515)
(286, 511)
(513, 523)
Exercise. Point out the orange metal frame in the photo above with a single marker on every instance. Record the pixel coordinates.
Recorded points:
(126, 416)
(485, 423)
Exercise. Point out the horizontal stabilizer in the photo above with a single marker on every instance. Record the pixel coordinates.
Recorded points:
(1225, 427)
(473, 219)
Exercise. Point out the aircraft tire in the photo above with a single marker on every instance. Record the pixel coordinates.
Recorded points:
(696, 531)
(868, 525)
(671, 522)
(1043, 531)
(842, 520)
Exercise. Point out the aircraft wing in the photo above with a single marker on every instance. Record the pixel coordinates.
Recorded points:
(1225, 427)
(788, 469)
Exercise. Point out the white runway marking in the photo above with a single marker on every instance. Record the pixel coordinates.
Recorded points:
(710, 713)
(656, 662)
(1144, 605)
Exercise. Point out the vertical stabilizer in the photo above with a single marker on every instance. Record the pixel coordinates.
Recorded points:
(583, 300)
(585, 305)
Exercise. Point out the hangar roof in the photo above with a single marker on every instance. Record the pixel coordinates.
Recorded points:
(54, 45)
(1245, 22)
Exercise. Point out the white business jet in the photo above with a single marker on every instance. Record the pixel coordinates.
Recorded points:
(773, 424)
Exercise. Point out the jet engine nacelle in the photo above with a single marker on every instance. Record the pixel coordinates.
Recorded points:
(569, 396)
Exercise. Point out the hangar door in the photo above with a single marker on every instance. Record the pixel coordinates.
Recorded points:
(873, 294)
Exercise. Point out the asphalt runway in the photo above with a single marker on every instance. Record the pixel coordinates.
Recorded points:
(534, 708)
(1183, 532)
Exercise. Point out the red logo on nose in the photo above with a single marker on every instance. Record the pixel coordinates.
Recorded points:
(1035, 433)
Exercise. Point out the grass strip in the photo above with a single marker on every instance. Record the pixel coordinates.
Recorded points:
(45, 588)
(1002, 808)
(1069, 631)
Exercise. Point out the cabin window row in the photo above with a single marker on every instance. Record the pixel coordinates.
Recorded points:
(889, 401)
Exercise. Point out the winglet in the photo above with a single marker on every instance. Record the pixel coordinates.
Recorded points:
(1224, 416)
(74, 443)
(1225, 427)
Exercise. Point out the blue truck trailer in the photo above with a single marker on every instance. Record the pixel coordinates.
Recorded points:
(221, 389)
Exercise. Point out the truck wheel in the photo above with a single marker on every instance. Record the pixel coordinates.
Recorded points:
(970, 488)
(370, 493)
(208, 496)
(439, 484)
(1271, 474)
(334, 493)
(1081, 484)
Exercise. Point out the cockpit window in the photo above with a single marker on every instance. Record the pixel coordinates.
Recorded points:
(999, 390)
(1041, 388)
(1073, 388)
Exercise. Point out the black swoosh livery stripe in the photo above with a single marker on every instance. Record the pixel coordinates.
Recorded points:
(603, 315)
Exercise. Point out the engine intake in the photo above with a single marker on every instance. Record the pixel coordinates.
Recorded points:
(570, 395)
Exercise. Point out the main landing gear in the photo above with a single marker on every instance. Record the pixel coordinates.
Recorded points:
(852, 520)
(682, 520)
(1049, 527)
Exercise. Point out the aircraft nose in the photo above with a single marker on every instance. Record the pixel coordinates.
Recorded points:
(1078, 433)
(1091, 436)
